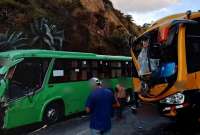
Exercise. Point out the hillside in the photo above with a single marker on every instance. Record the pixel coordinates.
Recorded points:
(85, 25)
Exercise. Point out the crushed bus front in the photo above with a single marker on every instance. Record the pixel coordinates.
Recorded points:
(5, 72)
(166, 58)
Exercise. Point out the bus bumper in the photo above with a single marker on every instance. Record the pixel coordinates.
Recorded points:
(172, 111)
(190, 105)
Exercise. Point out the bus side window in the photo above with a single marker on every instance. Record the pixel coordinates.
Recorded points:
(119, 69)
(101, 74)
(74, 70)
(85, 70)
(93, 67)
(125, 68)
(116, 67)
(60, 72)
(104, 70)
(65, 70)
(79, 70)
(107, 69)
(193, 48)
(113, 66)
(28, 76)
(129, 68)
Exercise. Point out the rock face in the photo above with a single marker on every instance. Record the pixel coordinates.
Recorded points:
(93, 5)
(89, 25)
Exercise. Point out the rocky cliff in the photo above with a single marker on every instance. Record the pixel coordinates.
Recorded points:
(88, 25)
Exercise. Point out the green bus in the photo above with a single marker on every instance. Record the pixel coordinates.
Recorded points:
(44, 86)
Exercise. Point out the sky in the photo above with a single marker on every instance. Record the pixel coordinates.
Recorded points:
(147, 11)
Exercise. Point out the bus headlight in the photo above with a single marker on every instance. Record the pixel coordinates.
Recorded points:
(177, 99)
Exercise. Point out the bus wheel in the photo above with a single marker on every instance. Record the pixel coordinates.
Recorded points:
(129, 96)
(53, 113)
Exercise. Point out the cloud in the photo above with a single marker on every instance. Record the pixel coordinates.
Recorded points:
(142, 6)
(141, 18)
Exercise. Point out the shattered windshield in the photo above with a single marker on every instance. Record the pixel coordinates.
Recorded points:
(157, 58)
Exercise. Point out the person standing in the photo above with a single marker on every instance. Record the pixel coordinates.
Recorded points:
(99, 105)
(120, 94)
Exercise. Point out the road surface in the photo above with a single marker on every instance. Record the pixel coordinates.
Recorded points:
(145, 122)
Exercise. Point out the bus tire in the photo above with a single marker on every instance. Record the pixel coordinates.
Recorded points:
(53, 113)
(129, 95)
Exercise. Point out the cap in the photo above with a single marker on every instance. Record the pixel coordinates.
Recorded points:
(95, 81)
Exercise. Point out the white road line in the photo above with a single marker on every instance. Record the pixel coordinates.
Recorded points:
(45, 126)
(83, 132)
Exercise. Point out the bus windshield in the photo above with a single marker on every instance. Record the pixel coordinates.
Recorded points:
(157, 59)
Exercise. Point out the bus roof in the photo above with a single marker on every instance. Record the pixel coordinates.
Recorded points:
(166, 21)
(17, 54)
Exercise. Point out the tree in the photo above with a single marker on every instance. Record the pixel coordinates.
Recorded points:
(46, 35)
(12, 41)
(129, 18)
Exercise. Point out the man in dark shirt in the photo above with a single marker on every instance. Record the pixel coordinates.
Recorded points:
(100, 104)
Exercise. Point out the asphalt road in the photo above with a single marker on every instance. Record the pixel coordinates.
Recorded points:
(140, 123)
(145, 122)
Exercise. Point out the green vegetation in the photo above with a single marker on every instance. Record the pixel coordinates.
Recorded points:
(42, 35)
(10, 41)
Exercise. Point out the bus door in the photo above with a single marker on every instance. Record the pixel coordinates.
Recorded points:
(25, 82)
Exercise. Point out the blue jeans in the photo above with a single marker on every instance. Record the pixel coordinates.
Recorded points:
(97, 132)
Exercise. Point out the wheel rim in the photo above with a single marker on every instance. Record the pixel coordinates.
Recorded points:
(52, 115)
(128, 99)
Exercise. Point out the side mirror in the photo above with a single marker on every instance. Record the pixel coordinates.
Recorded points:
(168, 69)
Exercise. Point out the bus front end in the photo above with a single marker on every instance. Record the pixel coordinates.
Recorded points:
(166, 58)
(4, 66)
(7, 68)
(3, 107)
